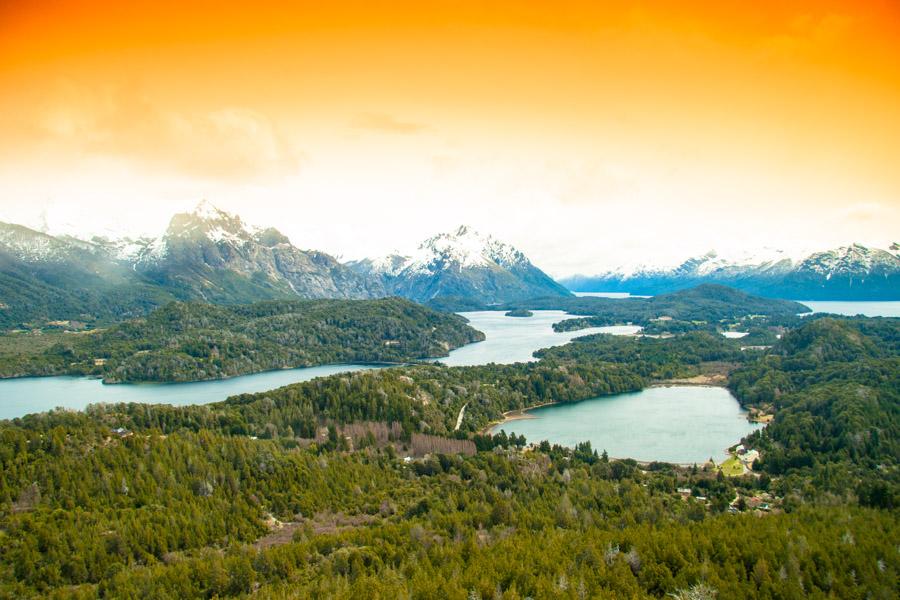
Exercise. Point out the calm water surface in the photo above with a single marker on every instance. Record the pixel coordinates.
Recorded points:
(874, 308)
(509, 339)
(514, 339)
(678, 424)
(607, 295)
(852, 308)
(37, 394)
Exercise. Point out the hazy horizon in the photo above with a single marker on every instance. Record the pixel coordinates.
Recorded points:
(587, 136)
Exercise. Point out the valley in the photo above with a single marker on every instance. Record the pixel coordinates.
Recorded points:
(506, 341)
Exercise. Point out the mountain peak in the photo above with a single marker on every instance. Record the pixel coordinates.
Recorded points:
(211, 222)
(465, 248)
(208, 211)
(461, 263)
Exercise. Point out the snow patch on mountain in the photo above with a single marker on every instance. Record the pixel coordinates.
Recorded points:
(35, 246)
(464, 248)
(713, 262)
(849, 260)
(462, 263)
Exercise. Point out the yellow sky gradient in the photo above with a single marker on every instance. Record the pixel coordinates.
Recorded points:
(697, 124)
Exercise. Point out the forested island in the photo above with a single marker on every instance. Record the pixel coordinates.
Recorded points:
(709, 307)
(192, 341)
(519, 312)
(359, 485)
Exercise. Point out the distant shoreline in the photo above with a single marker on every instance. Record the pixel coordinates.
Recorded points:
(514, 415)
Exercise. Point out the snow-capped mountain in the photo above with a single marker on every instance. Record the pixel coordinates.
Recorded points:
(206, 254)
(210, 255)
(37, 247)
(852, 261)
(215, 256)
(464, 264)
(43, 278)
(852, 272)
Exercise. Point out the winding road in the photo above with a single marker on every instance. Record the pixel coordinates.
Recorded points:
(459, 417)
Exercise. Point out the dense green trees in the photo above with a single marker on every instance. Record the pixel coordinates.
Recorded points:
(188, 342)
(706, 305)
(138, 501)
(653, 358)
(835, 387)
(176, 516)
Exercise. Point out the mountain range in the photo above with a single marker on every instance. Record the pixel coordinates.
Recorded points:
(852, 272)
(213, 256)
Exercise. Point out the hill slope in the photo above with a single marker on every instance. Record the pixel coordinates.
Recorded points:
(44, 278)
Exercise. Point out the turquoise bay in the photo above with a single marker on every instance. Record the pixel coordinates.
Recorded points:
(677, 424)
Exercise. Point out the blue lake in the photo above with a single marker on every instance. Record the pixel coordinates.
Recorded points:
(887, 308)
(677, 424)
(514, 339)
(37, 394)
(509, 339)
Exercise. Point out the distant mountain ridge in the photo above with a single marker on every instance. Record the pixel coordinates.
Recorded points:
(463, 263)
(213, 256)
(207, 255)
(853, 272)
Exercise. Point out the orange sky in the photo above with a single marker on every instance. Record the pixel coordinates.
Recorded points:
(713, 118)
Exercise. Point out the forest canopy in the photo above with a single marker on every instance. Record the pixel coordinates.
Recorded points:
(191, 341)
(360, 485)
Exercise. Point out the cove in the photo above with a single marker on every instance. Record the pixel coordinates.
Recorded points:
(676, 424)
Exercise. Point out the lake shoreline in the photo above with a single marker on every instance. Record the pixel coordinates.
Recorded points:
(522, 413)
(506, 340)
(380, 364)
(715, 381)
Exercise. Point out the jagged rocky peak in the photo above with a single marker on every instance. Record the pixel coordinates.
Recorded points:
(212, 222)
(271, 237)
(464, 264)
(466, 247)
